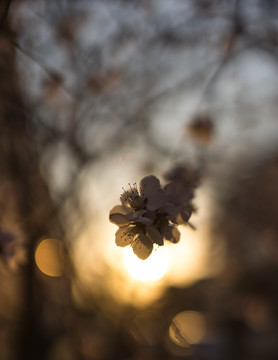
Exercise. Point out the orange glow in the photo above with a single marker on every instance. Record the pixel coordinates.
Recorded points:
(187, 258)
(103, 266)
(151, 269)
(47, 257)
(187, 328)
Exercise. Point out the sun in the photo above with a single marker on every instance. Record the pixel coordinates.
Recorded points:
(151, 269)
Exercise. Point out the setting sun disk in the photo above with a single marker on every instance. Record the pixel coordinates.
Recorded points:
(151, 269)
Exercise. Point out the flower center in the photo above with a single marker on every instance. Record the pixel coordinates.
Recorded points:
(132, 197)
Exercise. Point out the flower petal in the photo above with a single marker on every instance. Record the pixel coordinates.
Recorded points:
(132, 216)
(156, 200)
(170, 189)
(125, 235)
(144, 220)
(167, 208)
(118, 219)
(137, 217)
(142, 246)
(119, 209)
(167, 232)
(179, 220)
(176, 235)
(183, 215)
(155, 235)
(171, 233)
(149, 185)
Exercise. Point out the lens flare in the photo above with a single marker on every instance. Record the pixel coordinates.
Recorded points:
(187, 328)
(48, 257)
(151, 269)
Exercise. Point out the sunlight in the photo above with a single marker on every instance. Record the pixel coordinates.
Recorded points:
(187, 258)
(103, 266)
(151, 269)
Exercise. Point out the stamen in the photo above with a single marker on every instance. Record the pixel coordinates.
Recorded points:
(142, 189)
(131, 196)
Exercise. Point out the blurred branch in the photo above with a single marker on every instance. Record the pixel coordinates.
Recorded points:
(5, 13)
(52, 74)
(34, 207)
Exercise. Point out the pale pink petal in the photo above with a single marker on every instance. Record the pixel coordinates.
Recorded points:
(155, 235)
(179, 220)
(167, 233)
(144, 221)
(132, 216)
(176, 235)
(149, 185)
(185, 213)
(120, 209)
(118, 219)
(136, 217)
(125, 235)
(170, 189)
(167, 208)
(183, 194)
(156, 200)
(142, 246)
(171, 233)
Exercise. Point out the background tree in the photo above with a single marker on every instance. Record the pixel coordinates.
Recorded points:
(96, 94)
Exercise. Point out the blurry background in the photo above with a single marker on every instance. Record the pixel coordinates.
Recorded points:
(97, 94)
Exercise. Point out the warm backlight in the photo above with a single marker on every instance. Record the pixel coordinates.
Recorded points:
(150, 269)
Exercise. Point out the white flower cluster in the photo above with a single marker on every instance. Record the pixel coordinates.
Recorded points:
(149, 215)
